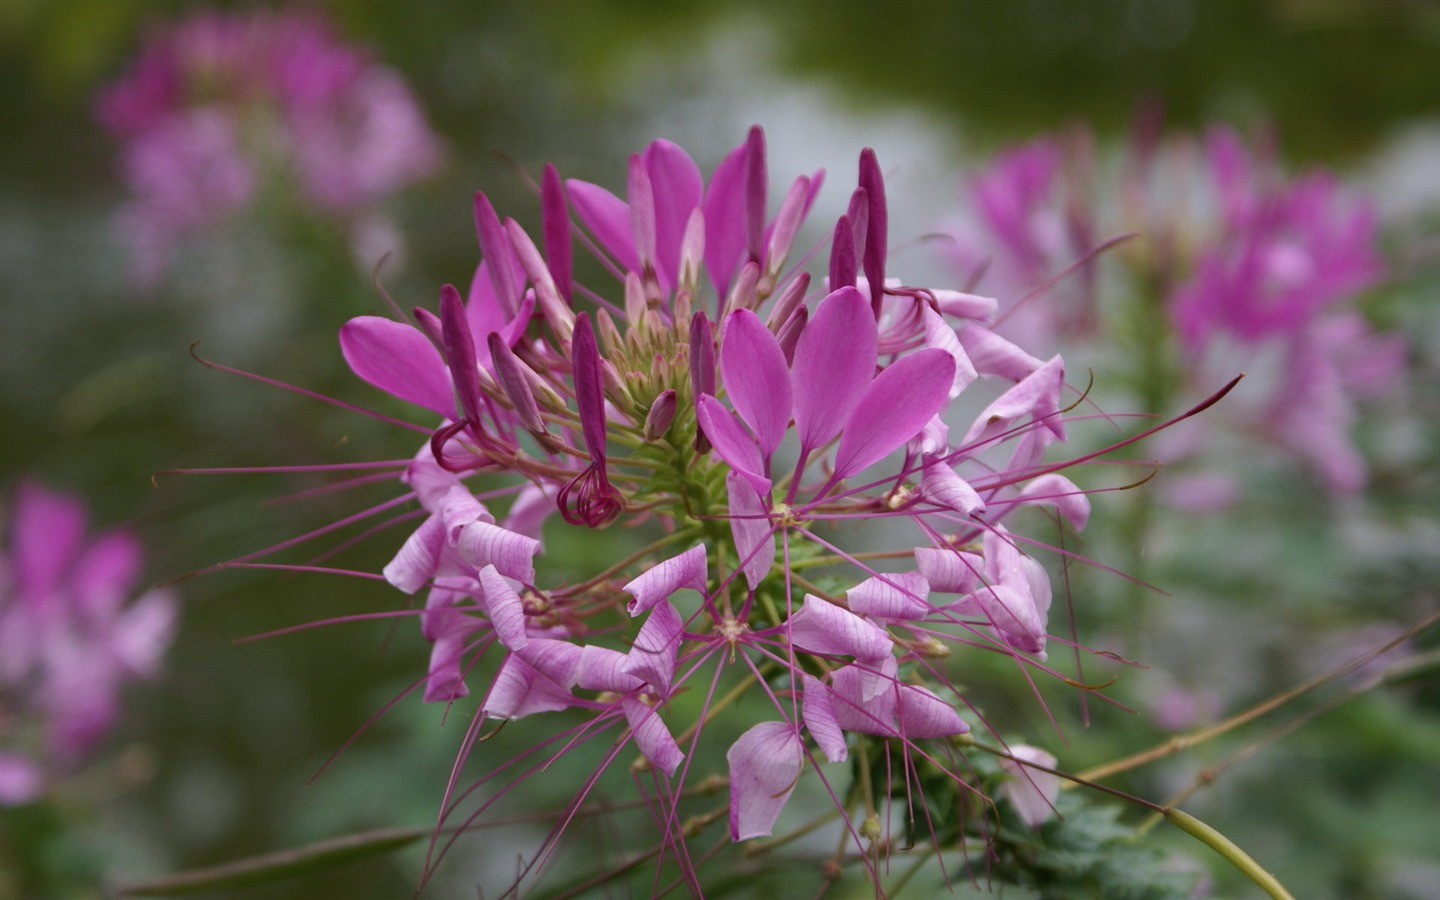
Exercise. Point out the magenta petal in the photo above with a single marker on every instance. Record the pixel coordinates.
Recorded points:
(893, 409)
(765, 765)
(949, 571)
(608, 218)
(939, 335)
(1056, 490)
(724, 207)
(652, 657)
(820, 626)
(893, 595)
(652, 737)
(750, 526)
(106, 571)
(483, 544)
(922, 714)
(418, 557)
(731, 442)
(677, 185)
(819, 714)
(398, 359)
(757, 380)
(834, 362)
(688, 570)
(945, 488)
(507, 612)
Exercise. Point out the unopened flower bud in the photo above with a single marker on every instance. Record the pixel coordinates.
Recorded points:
(662, 413)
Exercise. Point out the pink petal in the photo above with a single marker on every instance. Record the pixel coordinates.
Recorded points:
(398, 359)
(652, 657)
(939, 335)
(446, 678)
(922, 714)
(106, 571)
(750, 527)
(765, 765)
(864, 697)
(949, 571)
(498, 258)
(532, 506)
(893, 409)
(1037, 396)
(944, 487)
(1012, 613)
(967, 306)
(1031, 791)
(20, 780)
(993, 355)
(507, 612)
(725, 218)
(820, 626)
(45, 538)
(730, 441)
(757, 380)
(458, 508)
(418, 557)
(687, 570)
(834, 362)
(483, 544)
(141, 634)
(602, 669)
(899, 595)
(521, 688)
(1060, 492)
(608, 218)
(652, 737)
(819, 714)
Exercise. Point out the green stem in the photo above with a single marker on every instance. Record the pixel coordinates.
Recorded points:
(1228, 849)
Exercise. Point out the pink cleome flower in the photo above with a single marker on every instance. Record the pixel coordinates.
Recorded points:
(220, 105)
(68, 639)
(825, 540)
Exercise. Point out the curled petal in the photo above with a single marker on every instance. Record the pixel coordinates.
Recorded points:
(1037, 396)
(398, 359)
(993, 355)
(899, 595)
(822, 627)
(522, 687)
(459, 508)
(652, 656)
(819, 714)
(834, 362)
(687, 570)
(944, 487)
(940, 336)
(1013, 614)
(507, 613)
(418, 558)
(652, 737)
(967, 306)
(602, 669)
(893, 409)
(949, 571)
(864, 697)
(482, 544)
(750, 526)
(452, 629)
(765, 765)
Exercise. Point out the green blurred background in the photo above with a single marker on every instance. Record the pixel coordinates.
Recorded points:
(97, 391)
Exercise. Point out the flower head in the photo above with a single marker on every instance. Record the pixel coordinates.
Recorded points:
(68, 638)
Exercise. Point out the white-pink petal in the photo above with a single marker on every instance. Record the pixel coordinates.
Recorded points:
(820, 626)
(765, 765)
(750, 526)
(482, 544)
(1031, 791)
(1060, 492)
(949, 571)
(652, 736)
(418, 557)
(892, 595)
(507, 612)
(942, 486)
(940, 336)
(688, 570)
(922, 714)
(652, 656)
(818, 712)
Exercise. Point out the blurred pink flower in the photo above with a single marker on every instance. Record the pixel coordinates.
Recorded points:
(68, 639)
(222, 105)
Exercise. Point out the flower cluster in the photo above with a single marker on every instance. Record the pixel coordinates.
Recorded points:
(1252, 271)
(68, 639)
(821, 537)
(222, 105)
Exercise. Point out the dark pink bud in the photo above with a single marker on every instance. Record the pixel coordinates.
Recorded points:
(510, 372)
(430, 324)
(496, 249)
(555, 216)
(459, 347)
(662, 413)
(876, 237)
(757, 181)
(789, 301)
(789, 334)
(842, 255)
(702, 356)
(589, 498)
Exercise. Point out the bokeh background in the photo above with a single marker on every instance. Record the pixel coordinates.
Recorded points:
(98, 391)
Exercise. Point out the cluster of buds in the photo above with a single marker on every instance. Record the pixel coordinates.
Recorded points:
(822, 538)
(68, 639)
(223, 107)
